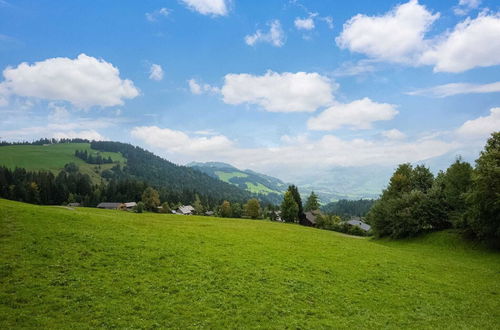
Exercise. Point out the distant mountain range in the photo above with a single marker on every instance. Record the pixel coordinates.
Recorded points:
(338, 183)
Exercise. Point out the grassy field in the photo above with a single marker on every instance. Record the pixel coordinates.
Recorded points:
(53, 157)
(82, 268)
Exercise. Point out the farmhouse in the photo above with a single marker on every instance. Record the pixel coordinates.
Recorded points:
(111, 206)
(130, 205)
(309, 219)
(356, 221)
(185, 210)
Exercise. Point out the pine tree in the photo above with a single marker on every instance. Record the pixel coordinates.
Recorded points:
(312, 202)
(289, 208)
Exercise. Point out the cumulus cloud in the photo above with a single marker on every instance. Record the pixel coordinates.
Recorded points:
(396, 36)
(482, 127)
(472, 43)
(279, 92)
(359, 114)
(393, 134)
(180, 142)
(456, 89)
(199, 88)
(354, 68)
(156, 72)
(208, 7)
(275, 36)
(84, 81)
(304, 23)
(399, 37)
(157, 14)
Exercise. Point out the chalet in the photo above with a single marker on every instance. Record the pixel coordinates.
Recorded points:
(130, 205)
(185, 210)
(111, 206)
(356, 221)
(73, 204)
(309, 219)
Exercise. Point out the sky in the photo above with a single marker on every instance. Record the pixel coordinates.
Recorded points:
(287, 88)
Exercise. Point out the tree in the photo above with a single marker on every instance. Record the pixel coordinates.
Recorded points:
(296, 197)
(483, 213)
(198, 207)
(252, 208)
(289, 208)
(225, 209)
(151, 199)
(312, 202)
(139, 208)
(421, 178)
(456, 182)
(165, 208)
(236, 210)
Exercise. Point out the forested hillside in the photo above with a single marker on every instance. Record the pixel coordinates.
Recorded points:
(102, 171)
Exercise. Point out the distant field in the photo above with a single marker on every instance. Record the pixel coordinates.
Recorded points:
(87, 268)
(52, 157)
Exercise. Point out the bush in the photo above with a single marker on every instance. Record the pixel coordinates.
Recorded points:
(139, 208)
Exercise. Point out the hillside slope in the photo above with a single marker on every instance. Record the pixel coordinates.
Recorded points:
(253, 182)
(135, 162)
(86, 268)
(53, 157)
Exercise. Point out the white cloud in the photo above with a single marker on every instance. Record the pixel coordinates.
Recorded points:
(87, 134)
(472, 43)
(464, 6)
(294, 154)
(157, 14)
(156, 72)
(354, 69)
(279, 92)
(208, 7)
(359, 114)
(58, 113)
(396, 36)
(482, 127)
(394, 134)
(84, 81)
(199, 88)
(180, 142)
(304, 23)
(275, 36)
(457, 88)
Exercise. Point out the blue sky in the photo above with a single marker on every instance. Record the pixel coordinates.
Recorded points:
(283, 87)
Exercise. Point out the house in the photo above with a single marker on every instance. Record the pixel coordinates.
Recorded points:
(130, 205)
(209, 213)
(73, 204)
(309, 219)
(110, 206)
(185, 210)
(356, 221)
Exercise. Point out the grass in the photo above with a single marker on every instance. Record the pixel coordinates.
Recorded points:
(53, 157)
(259, 188)
(225, 176)
(86, 268)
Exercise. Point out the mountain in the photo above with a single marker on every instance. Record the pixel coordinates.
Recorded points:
(263, 185)
(180, 183)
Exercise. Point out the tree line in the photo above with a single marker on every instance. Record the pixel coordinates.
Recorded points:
(462, 197)
(91, 159)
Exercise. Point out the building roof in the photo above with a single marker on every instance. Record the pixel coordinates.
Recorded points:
(130, 204)
(360, 224)
(111, 206)
(186, 209)
(73, 204)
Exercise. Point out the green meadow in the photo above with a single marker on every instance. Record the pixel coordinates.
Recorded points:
(53, 157)
(86, 268)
